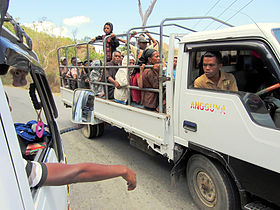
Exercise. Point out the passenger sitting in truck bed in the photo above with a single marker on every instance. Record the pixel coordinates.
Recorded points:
(149, 78)
(213, 78)
(111, 42)
(121, 94)
(110, 73)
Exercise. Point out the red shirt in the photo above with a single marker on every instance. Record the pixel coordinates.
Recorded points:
(135, 94)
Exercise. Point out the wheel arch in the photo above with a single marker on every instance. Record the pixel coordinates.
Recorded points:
(213, 155)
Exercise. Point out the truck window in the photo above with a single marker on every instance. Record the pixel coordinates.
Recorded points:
(255, 73)
(32, 141)
(276, 33)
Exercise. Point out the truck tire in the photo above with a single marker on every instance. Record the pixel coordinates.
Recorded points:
(209, 185)
(92, 131)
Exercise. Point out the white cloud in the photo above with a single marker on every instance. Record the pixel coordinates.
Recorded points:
(48, 27)
(75, 21)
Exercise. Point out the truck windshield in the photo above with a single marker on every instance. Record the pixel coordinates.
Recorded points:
(276, 33)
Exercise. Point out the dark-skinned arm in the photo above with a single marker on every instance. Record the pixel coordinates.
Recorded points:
(114, 82)
(151, 38)
(140, 78)
(124, 41)
(62, 174)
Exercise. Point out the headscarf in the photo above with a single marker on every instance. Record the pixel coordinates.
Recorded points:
(125, 61)
(147, 53)
(111, 26)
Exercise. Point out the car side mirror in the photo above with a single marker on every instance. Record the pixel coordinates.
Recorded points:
(82, 107)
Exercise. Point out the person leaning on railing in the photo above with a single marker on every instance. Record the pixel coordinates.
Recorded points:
(149, 78)
(121, 94)
(110, 73)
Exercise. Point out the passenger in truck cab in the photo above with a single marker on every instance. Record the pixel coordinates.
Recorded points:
(55, 174)
(111, 42)
(213, 78)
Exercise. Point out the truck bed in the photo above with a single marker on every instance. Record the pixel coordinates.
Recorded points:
(67, 96)
(149, 125)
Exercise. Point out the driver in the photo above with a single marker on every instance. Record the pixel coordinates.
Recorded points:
(213, 78)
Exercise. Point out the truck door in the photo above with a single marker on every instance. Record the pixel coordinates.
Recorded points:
(8, 179)
(243, 125)
(49, 197)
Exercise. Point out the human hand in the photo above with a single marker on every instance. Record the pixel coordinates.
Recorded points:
(117, 85)
(93, 39)
(130, 177)
(156, 66)
(142, 67)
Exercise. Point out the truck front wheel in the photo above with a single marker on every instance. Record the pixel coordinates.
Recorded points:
(209, 184)
(92, 131)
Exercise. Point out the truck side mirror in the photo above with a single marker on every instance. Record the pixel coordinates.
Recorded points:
(82, 107)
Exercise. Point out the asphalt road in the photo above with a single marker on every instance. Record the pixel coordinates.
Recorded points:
(153, 190)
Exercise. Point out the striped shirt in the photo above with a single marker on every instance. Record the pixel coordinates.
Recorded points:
(36, 172)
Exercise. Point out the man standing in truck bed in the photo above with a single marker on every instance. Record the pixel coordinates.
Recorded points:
(110, 73)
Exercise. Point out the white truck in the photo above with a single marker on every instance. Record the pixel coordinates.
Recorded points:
(226, 143)
(15, 192)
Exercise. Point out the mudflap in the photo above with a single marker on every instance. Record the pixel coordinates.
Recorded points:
(179, 169)
(141, 144)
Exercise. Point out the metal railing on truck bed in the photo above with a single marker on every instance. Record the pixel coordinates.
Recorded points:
(161, 35)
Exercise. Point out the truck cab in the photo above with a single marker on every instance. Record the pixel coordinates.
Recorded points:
(239, 129)
(17, 56)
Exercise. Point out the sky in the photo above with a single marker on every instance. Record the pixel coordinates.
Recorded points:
(85, 18)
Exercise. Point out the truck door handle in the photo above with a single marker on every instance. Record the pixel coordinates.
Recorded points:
(191, 126)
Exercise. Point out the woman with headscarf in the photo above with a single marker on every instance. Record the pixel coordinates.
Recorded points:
(111, 42)
(121, 94)
(149, 78)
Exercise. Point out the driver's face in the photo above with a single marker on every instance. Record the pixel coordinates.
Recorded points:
(211, 66)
